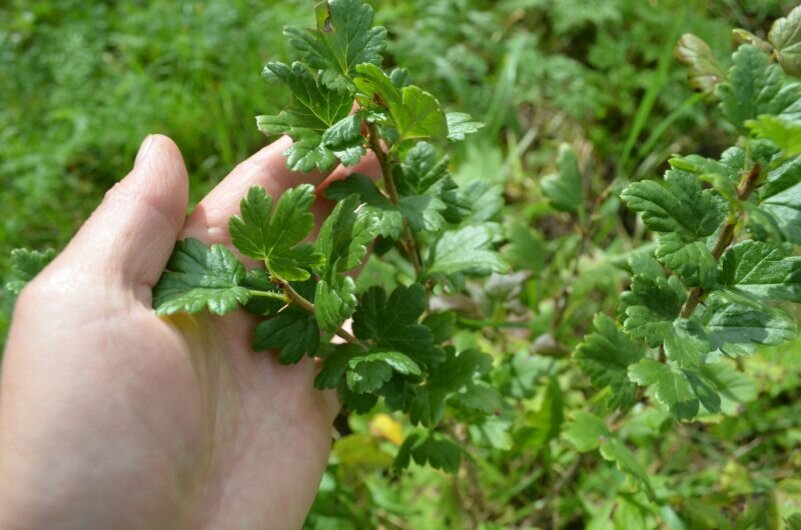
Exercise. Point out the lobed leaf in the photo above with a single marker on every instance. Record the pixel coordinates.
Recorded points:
(199, 277)
(343, 39)
(564, 190)
(678, 205)
(275, 237)
(692, 262)
(466, 251)
(436, 450)
(415, 113)
(25, 265)
(784, 133)
(368, 373)
(651, 306)
(461, 124)
(317, 118)
(762, 270)
(785, 36)
(704, 71)
(605, 355)
(755, 87)
(392, 323)
(780, 197)
(293, 332)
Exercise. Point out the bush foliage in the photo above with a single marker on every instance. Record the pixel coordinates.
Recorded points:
(580, 312)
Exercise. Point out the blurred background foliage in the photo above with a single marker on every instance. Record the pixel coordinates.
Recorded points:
(83, 82)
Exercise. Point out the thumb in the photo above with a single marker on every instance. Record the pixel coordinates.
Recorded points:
(131, 234)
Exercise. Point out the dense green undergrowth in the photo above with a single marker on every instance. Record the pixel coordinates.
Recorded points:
(635, 366)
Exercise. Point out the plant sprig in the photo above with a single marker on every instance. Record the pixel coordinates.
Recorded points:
(400, 350)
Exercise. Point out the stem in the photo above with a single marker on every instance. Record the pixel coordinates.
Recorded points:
(408, 243)
(268, 294)
(744, 189)
(295, 297)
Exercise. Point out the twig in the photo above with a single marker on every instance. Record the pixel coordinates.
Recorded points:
(297, 299)
(744, 189)
(407, 242)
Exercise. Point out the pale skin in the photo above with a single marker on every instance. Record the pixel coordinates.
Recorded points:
(111, 417)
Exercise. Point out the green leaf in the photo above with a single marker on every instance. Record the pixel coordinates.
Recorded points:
(275, 237)
(693, 262)
(678, 205)
(526, 248)
(477, 399)
(335, 365)
(293, 332)
(25, 264)
(762, 270)
(564, 190)
(467, 251)
(730, 165)
(671, 387)
(436, 450)
(355, 402)
(784, 133)
(616, 451)
(780, 197)
(199, 277)
(334, 302)
(586, 431)
(755, 87)
(461, 124)
(544, 423)
(735, 323)
(704, 390)
(345, 37)
(313, 110)
(376, 88)
(441, 325)
(427, 407)
(392, 323)
(343, 238)
(741, 36)
(605, 355)
(415, 113)
(423, 212)
(422, 117)
(368, 373)
(785, 35)
(422, 173)
(704, 71)
(651, 306)
(360, 185)
(387, 219)
(688, 343)
(793, 522)
(492, 432)
(734, 387)
(459, 369)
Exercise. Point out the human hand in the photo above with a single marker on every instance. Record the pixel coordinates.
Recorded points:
(111, 417)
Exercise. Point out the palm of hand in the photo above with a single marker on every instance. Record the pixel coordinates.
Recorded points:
(167, 423)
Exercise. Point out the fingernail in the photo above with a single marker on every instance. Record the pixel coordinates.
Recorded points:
(143, 149)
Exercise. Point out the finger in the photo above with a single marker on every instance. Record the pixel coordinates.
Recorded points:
(267, 168)
(130, 236)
